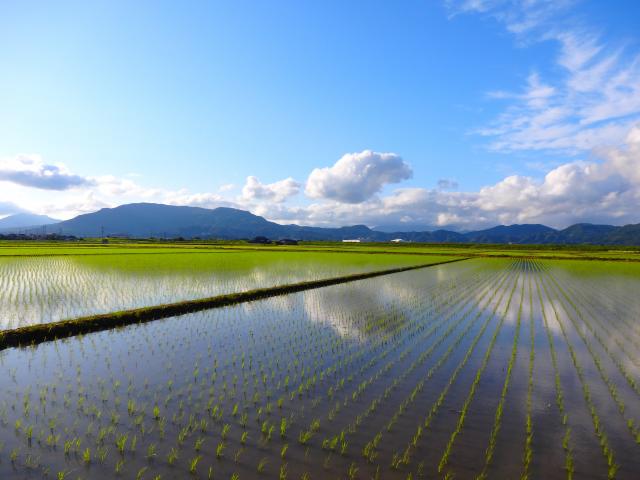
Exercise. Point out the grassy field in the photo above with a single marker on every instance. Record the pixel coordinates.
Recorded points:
(484, 368)
(119, 247)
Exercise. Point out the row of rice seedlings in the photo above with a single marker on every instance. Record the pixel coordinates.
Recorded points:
(331, 442)
(503, 394)
(615, 301)
(607, 452)
(620, 329)
(627, 332)
(613, 389)
(444, 460)
(566, 439)
(405, 457)
(527, 456)
(604, 344)
(362, 386)
(464, 298)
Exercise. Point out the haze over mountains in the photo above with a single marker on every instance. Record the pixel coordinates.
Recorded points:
(166, 221)
(25, 220)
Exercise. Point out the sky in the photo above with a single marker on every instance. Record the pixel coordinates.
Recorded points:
(417, 114)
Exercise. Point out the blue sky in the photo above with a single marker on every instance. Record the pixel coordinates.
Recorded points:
(417, 113)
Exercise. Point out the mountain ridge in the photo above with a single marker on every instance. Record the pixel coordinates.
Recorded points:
(157, 220)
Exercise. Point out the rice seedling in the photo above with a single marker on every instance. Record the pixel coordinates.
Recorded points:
(220, 450)
(193, 464)
(172, 456)
(141, 473)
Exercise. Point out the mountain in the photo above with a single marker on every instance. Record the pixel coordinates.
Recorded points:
(25, 220)
(583, 233)
(404, 227)
(626, 235)
(155, 220)
(528, 233)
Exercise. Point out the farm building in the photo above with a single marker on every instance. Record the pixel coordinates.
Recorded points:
(287, 241)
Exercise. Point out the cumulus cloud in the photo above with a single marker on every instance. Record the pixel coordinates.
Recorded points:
(276, 192)
(31, 171)
(625, 160)
(356, 177)
(605, 190)
(203, 200)
(78, 204)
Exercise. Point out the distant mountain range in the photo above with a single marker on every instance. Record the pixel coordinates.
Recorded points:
(25, 220)
(156, 220)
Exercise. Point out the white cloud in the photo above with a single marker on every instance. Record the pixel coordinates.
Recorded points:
(356, 177)
(68, 207)
(276, 192)
(603, 190)
(9, 208)
(520, 17)
(592, 102)
(31, 171)
(204, 200)
(625, 161)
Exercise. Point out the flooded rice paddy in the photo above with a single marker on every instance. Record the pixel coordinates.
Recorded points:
(478, 369)
(42, 289)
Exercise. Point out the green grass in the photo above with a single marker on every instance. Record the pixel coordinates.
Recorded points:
(586, 252)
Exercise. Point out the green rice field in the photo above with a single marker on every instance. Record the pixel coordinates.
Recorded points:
(485, 368)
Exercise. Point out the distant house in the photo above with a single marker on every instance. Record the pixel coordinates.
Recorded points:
(287, 241)
(398, 240)
(260, 239)
(355, 240)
